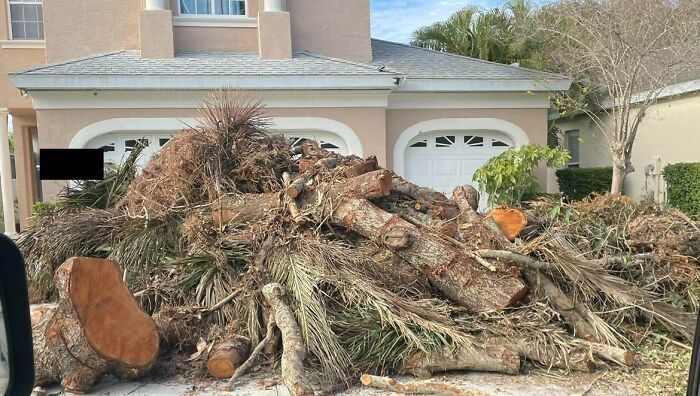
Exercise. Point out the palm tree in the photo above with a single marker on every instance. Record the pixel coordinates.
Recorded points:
(495, 35)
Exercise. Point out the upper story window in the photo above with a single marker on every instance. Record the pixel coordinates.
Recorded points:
(26, 20)
(212, 7)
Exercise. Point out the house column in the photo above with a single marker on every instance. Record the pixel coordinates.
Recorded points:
(156, 31)
(274, 31)
(155, 4)
(8, 202)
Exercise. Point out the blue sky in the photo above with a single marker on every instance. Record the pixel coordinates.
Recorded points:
(395, 20)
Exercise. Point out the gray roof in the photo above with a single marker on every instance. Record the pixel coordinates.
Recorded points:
(416, 62)
(129, 62)
(394, 67)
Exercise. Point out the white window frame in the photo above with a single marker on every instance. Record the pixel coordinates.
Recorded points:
(211, 20)
(567, 137)
(211, 14)
(32, 43)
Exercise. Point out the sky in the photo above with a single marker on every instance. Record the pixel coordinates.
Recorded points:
(396, 20)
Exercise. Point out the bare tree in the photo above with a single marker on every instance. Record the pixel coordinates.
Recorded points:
(629, 50)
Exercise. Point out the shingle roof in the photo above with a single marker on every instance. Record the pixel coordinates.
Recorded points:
(129, 62)
(416, 62)
(394, 67)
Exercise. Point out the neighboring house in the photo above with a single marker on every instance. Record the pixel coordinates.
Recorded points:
(104, 73)
(669, 133)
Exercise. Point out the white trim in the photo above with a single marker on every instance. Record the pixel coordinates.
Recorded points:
(126, 125)
(9, 18)
(22, 44)
(141, 82)
(324, 124)
(479, 85)
(85, 135)
(7, 191)
(61, 100)
(668, 91)
(485, 100)
(215, 21)
(514, 132)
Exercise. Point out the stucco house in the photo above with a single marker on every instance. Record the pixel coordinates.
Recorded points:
(103, 73)
(669, 133)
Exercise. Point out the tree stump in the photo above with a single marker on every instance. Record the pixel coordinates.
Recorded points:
(97, 327)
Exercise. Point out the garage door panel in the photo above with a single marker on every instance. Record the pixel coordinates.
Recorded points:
(445, 168)
(444, 160)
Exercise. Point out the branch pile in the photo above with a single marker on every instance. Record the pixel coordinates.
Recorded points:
(242, 246)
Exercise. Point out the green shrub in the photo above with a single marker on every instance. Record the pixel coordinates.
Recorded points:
(578, 183)
(508, 176)
(44, 208)
(683, 186)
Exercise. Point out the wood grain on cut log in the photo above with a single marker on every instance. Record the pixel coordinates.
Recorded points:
(466, 195)
(96, 328)
(563, 304)
(417, 387)
(497, 358)
(511, 221)
(227, 357)
(461, 278)
(293, 348)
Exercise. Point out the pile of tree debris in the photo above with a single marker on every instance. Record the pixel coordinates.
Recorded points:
(239, 245)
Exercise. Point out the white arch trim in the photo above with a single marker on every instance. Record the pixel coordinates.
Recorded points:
(85, 135)
(513, 131)
(322, 124)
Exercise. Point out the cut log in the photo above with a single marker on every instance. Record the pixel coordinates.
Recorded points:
(499, 359)
(461, 278)
(620, 356)
(439, 204)
(417, 387)
(576, 360)
(563, 304)
(466, 195)
(96, 328)
(271, 326)
(360, 168)
(227, 357)
(293, 348)
(245, 208)
(511, 221)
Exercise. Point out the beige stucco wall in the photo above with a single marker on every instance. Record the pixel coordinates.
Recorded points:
(155, 34)
(532, 121)
(223, 39)
(76, 29)
(13, 59)
(57, 127)
(670, 130)
(337, 28)
(25, 164)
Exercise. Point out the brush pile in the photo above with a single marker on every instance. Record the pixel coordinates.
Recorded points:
(240, 245)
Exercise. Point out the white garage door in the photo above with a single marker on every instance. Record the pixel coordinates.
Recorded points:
(117, 145)
(445, 160)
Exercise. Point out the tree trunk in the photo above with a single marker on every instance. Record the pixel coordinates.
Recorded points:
(96, 328)
(576, 360)
(245, 208)
(499, 359)
(227, 357)
(618, 179)
(293, 348)
(461, 278)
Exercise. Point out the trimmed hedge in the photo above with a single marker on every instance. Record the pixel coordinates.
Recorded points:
(683, 186)
(578, 183)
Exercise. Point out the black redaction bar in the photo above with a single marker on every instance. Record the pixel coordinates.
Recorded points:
(71, 164)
